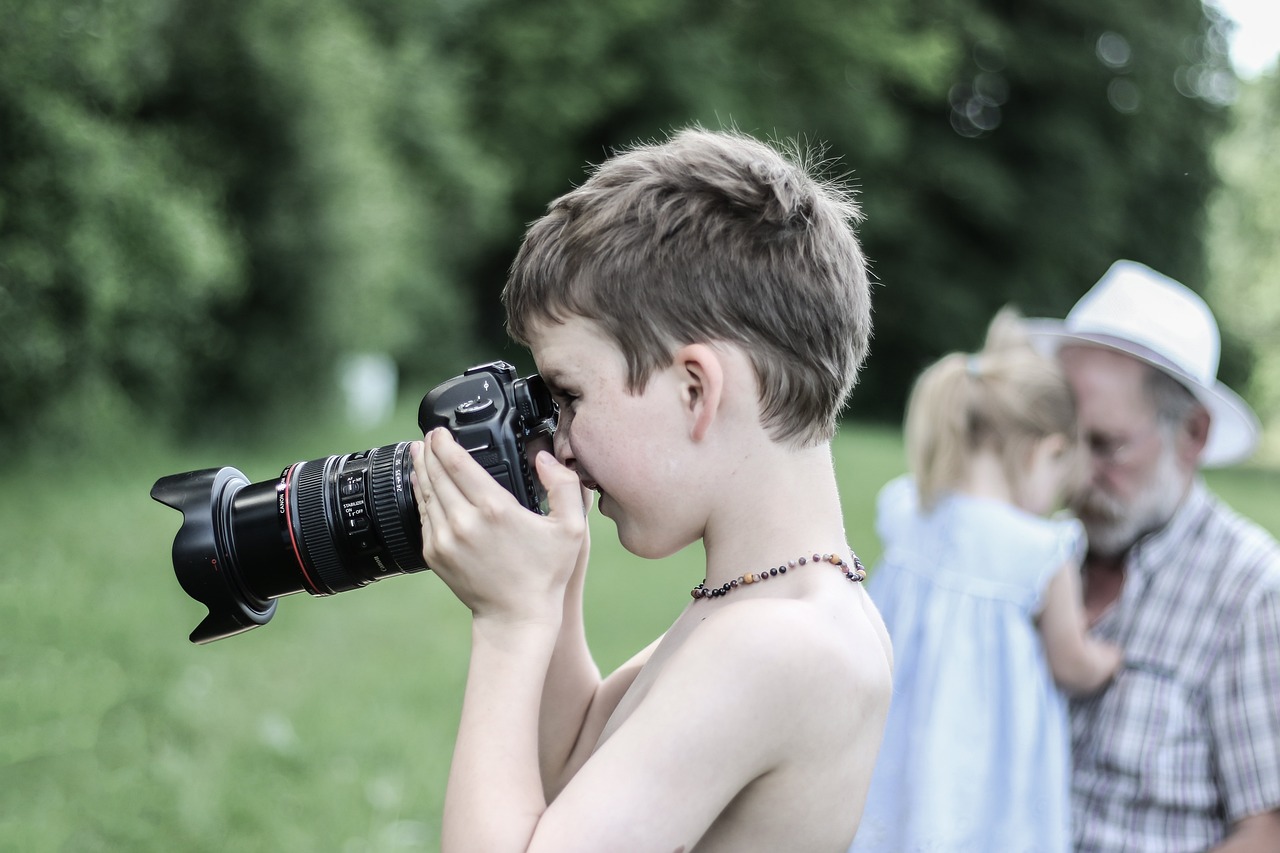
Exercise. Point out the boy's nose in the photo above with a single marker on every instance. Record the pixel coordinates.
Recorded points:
(563, 450)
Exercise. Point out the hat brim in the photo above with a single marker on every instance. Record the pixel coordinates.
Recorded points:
(1233, 427)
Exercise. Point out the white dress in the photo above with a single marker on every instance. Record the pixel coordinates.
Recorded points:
(976, 753)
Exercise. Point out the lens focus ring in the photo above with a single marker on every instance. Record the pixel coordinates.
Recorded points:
(316, 534)
(394, 508)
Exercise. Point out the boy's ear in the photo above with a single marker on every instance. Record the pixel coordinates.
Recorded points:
(701, 377)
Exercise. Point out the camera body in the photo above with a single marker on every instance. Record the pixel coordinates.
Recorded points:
(490, 412)
(342, 522)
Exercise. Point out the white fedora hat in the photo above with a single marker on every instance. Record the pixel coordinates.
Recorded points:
(1153, 318)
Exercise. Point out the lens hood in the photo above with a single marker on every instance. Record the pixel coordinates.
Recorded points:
(206, 573)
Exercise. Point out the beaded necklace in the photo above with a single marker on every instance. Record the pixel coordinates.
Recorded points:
(855, 573)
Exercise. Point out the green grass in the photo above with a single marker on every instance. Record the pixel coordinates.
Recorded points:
(330, 728)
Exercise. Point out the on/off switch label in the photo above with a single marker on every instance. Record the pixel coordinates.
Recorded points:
(355, 516)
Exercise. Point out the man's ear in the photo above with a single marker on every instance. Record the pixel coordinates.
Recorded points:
(1192, 437)
(700, 373)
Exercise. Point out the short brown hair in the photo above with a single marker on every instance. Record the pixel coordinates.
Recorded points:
(710, 236)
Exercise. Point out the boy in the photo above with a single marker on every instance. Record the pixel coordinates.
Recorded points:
(699, 309)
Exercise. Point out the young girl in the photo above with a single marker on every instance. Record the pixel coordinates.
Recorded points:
(981, 596)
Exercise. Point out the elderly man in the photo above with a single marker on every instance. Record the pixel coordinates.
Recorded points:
(1182, 751)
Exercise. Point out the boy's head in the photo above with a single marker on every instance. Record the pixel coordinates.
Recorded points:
(709, 236)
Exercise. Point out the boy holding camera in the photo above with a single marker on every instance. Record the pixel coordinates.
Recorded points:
(699, 309)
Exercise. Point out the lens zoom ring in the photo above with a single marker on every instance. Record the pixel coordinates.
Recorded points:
(390, 479)
(316, 536)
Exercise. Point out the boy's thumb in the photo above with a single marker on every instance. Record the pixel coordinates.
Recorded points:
(564, 489)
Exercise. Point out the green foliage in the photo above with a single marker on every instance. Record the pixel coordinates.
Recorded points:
(204, 207)
(558, 91)
(111, 246)
(1069, 145)
(1244, 221)
(346, 165)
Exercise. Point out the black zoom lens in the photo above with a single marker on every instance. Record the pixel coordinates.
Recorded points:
(357, 518)
(325, 526)
(342, 522)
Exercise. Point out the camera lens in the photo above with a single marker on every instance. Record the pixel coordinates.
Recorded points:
(342, 522)
(328, 525)
(325, 526)
(352, 519)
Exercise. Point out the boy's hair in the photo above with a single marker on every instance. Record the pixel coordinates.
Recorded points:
(710, 237)
(1005, 398)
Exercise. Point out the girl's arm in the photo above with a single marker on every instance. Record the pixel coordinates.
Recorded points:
(1080, 664)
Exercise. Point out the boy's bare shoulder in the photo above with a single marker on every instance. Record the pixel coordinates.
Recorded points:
(755, 722)
(787, 649)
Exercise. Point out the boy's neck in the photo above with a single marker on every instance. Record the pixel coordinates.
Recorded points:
(776, 506)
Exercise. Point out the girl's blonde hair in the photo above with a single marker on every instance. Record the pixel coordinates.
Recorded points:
(1005, 398)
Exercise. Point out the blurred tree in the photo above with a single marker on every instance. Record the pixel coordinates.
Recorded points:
(1074, 133)
(1243, 245)
(557, 91)
(205, 206)
(112, 246)
(1008, 151)
(348, 165)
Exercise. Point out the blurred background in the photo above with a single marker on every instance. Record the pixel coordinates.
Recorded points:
(246, 233)
(210, 211)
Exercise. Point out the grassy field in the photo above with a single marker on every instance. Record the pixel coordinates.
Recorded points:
(329, 729)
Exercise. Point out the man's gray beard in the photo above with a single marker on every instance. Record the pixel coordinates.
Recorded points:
(1113, 528)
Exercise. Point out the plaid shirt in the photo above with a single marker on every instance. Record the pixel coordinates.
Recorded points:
(1186, 740)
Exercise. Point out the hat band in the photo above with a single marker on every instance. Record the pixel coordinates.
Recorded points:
(1144, 352)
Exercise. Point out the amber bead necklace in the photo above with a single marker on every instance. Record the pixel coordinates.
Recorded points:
(855, 573)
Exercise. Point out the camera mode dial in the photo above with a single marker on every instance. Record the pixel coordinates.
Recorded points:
(474, 411)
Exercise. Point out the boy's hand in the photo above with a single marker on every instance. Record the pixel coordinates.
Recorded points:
(500, 559)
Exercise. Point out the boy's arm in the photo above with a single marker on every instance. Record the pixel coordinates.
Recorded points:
(576, 703)
(511, 568)
(571, 684)
(494, 797)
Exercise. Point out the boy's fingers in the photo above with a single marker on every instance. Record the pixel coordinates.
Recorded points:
(469, 481)
(429, 510)
(418, 475)
(445, 496)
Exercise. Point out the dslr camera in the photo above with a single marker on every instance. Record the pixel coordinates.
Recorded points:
(342, 522)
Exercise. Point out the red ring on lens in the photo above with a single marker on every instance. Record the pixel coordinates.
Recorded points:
(288, 519)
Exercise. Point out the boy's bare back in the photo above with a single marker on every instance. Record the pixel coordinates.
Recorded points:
(790, 682)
